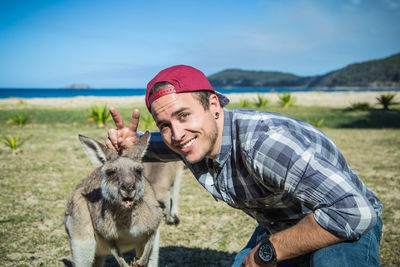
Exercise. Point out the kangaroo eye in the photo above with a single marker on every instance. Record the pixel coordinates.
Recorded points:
(110, 172)
(138, 172)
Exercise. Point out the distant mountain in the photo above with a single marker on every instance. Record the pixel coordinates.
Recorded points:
(370, 74)
(245, 78)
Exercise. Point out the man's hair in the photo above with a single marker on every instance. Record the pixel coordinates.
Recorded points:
(202, 96)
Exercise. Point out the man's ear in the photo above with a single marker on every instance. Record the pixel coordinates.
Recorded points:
(214, 102)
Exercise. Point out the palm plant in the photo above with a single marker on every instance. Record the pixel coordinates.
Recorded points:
(22, 102)
(100, 115)
(286, 100)
(13, 143)
(261, 101)
(386, 100)
(147, 122)
(244, 103)
(20, 119)
(359, 106)
(316, 123)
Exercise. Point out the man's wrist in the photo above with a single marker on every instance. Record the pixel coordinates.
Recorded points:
(266, 253)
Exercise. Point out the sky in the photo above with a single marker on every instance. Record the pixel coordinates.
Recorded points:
(125, 43)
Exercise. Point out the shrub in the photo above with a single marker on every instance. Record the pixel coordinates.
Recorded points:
(359, 106)
(316, 123)
(286, 100)
(20, 119)
(22, 102)
(13, 143)
(244, 103)
(261, 101)
(386, 100)
(147, 122)
(100, 115)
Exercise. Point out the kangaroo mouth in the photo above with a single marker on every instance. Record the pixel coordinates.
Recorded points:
(128, 202)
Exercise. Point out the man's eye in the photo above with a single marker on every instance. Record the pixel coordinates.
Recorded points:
(183, 116)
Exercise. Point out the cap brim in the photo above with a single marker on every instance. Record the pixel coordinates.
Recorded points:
(223, 100)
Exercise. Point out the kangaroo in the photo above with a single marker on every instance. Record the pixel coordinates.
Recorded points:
(163, 176)
(114, 210)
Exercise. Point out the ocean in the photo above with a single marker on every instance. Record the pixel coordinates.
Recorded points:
(44, 93)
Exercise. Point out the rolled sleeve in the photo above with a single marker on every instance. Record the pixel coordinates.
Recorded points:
(320, 183)
(337, 203)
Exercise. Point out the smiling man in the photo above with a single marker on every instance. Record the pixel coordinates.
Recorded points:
(311, 207)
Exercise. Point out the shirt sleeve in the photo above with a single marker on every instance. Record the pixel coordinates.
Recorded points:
(338, 204)
(158, 151)
(283, 162)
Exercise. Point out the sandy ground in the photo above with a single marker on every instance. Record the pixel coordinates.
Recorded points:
(339, 99)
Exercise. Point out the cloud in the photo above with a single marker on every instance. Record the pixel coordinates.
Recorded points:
(392, 4)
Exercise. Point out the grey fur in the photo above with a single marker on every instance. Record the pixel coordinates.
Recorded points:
(163, 176)
(114, 210)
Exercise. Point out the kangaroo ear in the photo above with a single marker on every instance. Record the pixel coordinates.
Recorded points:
(95, 150)
(138, 150)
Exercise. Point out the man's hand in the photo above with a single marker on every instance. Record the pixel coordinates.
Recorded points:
(304, 237)
(122, 137)
(252, 259)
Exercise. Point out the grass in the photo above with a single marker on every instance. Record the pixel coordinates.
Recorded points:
(35, 184)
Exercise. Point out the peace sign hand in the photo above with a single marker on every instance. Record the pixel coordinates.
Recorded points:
(122, 137)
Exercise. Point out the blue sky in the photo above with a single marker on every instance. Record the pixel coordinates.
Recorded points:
(123, 44)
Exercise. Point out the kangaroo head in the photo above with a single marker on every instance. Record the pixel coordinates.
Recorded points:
(122, 175)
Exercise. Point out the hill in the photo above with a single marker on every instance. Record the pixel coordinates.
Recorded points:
(370, 74)
(243, 78)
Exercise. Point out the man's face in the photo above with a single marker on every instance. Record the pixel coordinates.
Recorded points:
(185, 126)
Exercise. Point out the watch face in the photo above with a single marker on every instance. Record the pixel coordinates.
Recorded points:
(265, 252)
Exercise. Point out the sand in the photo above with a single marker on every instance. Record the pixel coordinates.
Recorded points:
(338, 99)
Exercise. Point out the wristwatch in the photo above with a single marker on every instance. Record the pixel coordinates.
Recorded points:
(266, 252)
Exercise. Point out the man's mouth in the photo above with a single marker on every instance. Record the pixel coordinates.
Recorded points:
(187, 145)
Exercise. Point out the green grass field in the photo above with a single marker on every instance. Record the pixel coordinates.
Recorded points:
(35, 183)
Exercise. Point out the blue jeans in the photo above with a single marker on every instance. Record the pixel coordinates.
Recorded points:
(363, 252)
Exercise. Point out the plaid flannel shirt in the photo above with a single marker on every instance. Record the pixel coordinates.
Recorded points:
(277, 170)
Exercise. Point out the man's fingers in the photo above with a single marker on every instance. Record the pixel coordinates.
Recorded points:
(128, 142)
(119, 122)
(110, 144)
(135, 121)
(112, 137)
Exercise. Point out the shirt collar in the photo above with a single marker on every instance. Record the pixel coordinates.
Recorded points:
(226, 142)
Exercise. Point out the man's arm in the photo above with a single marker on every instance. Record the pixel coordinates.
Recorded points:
(306, 236)
(125, 137)
(339, 209)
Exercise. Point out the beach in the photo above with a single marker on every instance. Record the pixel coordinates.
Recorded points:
(331, 99)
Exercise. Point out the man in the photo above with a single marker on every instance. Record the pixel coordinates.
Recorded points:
(312, 209)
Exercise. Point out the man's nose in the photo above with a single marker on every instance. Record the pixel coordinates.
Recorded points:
(177, 133)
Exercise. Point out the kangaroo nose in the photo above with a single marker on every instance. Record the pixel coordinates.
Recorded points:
(127, 188)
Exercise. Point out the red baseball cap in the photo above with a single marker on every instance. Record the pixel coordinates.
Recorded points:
(184, 79)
